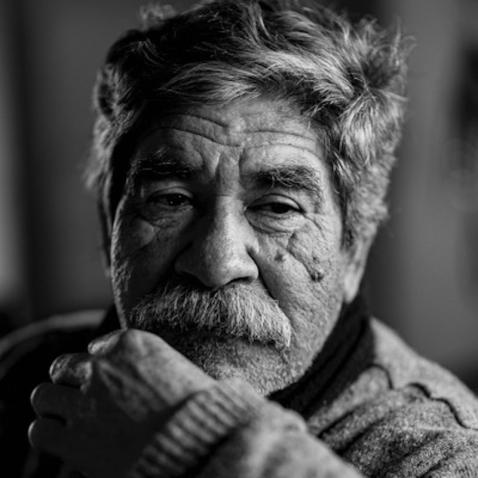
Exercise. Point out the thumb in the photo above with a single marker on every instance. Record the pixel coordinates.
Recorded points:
(105, 343)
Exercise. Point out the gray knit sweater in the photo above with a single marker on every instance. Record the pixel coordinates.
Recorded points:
(399, 416)
(369, 406)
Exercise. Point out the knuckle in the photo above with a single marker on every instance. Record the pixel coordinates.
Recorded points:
(129, 338)
(47, 435)
(70, 369)
(58, 365)
(34, 434)
(35, 396)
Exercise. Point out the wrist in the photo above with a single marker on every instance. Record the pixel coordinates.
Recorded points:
(203, 420)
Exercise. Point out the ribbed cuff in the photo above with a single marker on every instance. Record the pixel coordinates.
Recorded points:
(201, 422)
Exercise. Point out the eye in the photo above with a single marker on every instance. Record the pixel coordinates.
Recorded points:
(164, 205)
(169, 200)
(276, 206)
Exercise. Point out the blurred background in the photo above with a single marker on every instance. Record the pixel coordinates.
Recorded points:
(423, 272)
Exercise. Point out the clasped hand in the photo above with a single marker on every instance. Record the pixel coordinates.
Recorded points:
(104, 406)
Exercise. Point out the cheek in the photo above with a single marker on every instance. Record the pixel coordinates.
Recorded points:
(129, 237)
(318, 256)
(141, 254)
(303, 272)
(304, 257)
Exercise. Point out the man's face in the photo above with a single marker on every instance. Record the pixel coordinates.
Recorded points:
(227, 241)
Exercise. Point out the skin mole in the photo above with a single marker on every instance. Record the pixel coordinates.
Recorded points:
(316, 275)
(279, 257)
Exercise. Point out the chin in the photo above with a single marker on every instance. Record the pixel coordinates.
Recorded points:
(262, 366)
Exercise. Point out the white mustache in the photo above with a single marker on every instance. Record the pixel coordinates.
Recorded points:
(238, 311)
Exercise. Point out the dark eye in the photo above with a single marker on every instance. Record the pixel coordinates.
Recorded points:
(165, 205)
(276, 205)
(170, 200)
(278, 208)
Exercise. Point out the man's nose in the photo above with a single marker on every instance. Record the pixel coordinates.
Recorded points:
(220, 252)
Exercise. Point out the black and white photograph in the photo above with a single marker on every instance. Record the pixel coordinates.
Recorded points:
(239, 238)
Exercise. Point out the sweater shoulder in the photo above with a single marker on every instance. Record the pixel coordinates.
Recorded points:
(54, 335)
(25, 358)
(403, 416)
(404, 368)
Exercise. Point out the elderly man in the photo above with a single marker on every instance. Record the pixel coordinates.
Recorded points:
(242, 152)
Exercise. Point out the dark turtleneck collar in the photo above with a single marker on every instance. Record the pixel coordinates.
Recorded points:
(344, 355)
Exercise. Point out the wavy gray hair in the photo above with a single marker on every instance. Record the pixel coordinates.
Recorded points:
(347, 78)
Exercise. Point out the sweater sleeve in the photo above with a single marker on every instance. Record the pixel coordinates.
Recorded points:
(229, 431)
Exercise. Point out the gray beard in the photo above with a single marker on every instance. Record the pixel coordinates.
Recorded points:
(237, 331)
(240, 311)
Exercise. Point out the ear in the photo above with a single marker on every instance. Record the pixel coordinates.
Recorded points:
(355, 268)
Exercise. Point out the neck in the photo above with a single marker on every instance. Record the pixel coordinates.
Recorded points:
(334, 367)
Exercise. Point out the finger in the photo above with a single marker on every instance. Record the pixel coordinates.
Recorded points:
(48, 435)
(104, 344)
(71, 369)
(55, 401)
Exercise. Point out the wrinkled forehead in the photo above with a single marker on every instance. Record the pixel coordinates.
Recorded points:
(244, 125)
(241, 116)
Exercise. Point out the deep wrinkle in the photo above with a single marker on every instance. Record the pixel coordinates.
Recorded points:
(227, 126)
(314, 269)
(240, 138)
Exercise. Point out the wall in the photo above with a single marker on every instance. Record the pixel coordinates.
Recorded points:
(422, 280)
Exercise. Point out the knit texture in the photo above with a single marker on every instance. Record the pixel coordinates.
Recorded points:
(368, 406)
(188, 435)
(402, 416)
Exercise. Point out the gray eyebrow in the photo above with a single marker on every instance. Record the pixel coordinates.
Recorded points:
(160, 164)
(299, 178)
(163, 163)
